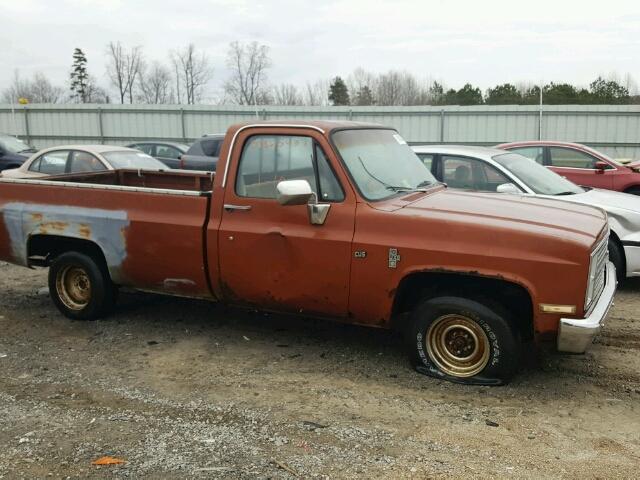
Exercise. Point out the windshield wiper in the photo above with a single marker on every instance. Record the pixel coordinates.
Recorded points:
(395, 188)
(565, 193)
(26, 150)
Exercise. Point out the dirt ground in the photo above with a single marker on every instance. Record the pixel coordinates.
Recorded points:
(186, 389)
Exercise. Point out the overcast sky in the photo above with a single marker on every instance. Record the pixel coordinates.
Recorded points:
(456, 41)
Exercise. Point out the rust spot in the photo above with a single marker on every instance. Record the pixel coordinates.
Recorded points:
(36, 217)
(55, 226)
(84, 230)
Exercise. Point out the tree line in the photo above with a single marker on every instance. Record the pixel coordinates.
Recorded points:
(186, 76)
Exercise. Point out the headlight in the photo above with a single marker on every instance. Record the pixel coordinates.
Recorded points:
(598, 262)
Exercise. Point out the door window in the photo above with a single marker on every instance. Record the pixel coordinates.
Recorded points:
(471, 174)
(146, 148)
(165, 151)
(534, 153)
(427, 159)
(85, 162)
(568, 157)
(51, 163)
(211, 148)
(269, 159)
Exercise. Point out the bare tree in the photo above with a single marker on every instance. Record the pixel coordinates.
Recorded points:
(155, 84)
(248, 64)
(286, 94)
(192, 73)
(400, 88)
(37, 90)
(123, 68)
(315, 94)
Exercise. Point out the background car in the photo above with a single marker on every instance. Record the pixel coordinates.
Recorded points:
(203, 153)
(168, 153)
(493, 170)
(82, 159)
(581, 164)
(13, 151)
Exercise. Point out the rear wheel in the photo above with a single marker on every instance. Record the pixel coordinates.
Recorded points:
(464, 341)
(616, 255)
(81, 287)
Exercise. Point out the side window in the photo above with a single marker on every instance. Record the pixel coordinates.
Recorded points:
(85, 162)
(269, 159)
(567, 157)
(471, 174)
(146, 148)
(165, 151)
(211, 148)
(51, 163)
(330, 189)
(427, 159)
(534, 153)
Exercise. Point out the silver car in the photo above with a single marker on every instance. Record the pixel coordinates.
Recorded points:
(83, 159)
(494, 170)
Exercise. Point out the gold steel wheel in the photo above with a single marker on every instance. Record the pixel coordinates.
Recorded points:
(73, 287)
(458, 345)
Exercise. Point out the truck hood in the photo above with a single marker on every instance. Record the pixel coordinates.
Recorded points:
(554, 217)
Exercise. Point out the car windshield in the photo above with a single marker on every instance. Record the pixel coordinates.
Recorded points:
(137, 160)
(538, 178)
(14, 145)
(381, 163)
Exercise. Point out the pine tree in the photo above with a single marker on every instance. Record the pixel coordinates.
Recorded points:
(79, 76)
(338, 92)
(364, 96)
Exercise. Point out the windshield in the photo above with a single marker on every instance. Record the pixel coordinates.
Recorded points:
(538, 178)
(14, 145)
(381, 163)
(137, 160)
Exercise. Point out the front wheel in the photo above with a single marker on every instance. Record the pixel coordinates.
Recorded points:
(80, 287)
(616, 255)
(463, 341)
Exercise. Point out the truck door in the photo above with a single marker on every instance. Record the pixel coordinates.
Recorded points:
(271, 256)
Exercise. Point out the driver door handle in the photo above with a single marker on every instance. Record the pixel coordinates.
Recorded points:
(229, 207)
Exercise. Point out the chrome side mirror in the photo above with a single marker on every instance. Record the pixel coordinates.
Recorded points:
(298, 192)
(508, 188)
(294, 192)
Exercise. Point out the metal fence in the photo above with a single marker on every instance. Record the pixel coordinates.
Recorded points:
(614, 129)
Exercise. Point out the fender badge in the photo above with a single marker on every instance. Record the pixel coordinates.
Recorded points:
(394, 257)
(360, 254)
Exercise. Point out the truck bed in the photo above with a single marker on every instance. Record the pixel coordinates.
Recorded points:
(148, 226)
(188, 181)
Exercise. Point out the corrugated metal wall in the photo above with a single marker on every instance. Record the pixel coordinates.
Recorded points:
(614, 129)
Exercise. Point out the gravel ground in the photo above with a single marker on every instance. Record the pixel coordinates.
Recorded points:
(186, 389)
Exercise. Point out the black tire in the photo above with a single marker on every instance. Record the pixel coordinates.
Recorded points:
(81, 287)
(633, 190)
(616, 255)
(478, 329)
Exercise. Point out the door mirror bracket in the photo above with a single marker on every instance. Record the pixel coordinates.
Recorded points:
(299, 192)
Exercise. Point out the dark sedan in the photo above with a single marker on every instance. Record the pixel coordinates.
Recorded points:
(13, 152)
(169, 153)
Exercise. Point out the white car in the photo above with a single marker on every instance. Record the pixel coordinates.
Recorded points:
(83, 159)
(494, 170)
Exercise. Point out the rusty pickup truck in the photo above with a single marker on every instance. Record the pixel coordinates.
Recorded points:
(338, 220)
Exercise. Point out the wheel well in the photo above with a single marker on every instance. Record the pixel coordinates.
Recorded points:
(419, 286)
(618, 244)
(634, 189)
(43, 249)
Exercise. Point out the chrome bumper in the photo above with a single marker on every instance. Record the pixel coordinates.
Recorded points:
(576, 334)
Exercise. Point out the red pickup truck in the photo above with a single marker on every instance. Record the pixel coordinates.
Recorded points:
(337, 220)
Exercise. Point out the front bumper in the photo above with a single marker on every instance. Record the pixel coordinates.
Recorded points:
(632, 254)
(576, 334)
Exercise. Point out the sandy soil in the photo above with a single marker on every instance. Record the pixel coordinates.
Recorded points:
(187, 389)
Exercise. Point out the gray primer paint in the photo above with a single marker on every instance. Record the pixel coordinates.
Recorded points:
(105, 228)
